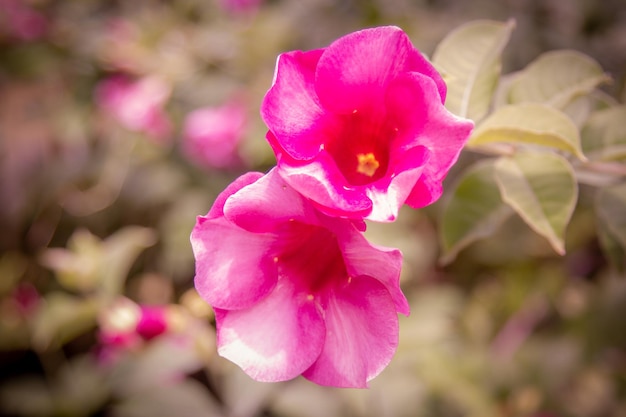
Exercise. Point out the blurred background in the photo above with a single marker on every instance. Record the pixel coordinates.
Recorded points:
(121, 121)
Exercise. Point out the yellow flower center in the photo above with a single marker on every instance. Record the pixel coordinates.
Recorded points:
(367, 164)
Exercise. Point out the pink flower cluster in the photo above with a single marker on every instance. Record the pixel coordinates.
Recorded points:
(359, 129)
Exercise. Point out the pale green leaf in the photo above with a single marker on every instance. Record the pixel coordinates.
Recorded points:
(556, 78)
(62, 318)
(611, 211)
(474, 211)
(604, 134)
(529, 124)
(470, 60)
(542, 189)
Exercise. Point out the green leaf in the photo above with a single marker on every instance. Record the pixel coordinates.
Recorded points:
(556, 78)
(610, 207)
(470, 60)
(474, 211)
(529, 124)
(604, 134)
(542, 189)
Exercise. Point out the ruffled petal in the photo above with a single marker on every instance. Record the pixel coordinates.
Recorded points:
(424, 121)
(361, 335)
(355, 70)
(274, 340)
(390, 193)
(291, 109)
(234, 268)
(321, 181)
(364, 258)
(263, 205)
(217, 210)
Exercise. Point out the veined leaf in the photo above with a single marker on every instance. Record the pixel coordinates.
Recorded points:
(556, 78)
(470, 58)
(611, 211)
(530, 124)
(542, 189)
(475, 210)
(604, 134)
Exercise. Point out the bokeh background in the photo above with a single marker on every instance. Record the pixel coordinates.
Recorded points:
(120, 122)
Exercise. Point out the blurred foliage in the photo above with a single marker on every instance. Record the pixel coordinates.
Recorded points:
(98, 315)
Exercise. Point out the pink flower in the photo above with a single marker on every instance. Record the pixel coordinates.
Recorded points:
(360, 128)
(21, 21)
(211, 135)
(295, 291)
(240, 6)
(137, 105)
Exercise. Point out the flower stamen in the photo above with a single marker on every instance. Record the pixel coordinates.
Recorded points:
(367, 164)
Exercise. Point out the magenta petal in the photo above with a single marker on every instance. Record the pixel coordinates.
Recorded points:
(387, 198)
(364, 258)
(354, 71)
(361, 335)
(274, 340)
(234, 268)
(321, 181)
(261, 206)
(217, 210)
(441, 132)
(291, 109)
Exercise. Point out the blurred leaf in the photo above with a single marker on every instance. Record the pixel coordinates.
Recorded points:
(610, 205)
(529, 124)
(578, 110)
(161, 363)
(89, 263)
(80, 387)
(12, 267)
(61, 318)
(475, 210)
(542, 189)
(604, 134)
(29, 396)
(470, 60)
(184, 398)
(120, 251)
(556, 78)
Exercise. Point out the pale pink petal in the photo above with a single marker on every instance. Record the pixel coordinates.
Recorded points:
(441, 132)
(361, 335)
(390, 193)
(291, 109)
(268, 202)
(355, 70)
(364, 258)
(276, 339)
(234, 268)
(321, 181)
(217, 210)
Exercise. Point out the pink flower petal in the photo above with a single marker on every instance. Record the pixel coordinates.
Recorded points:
(261, 206)
(361, 335)
(234, 268)
(276, 339)
(443, 133)
(355, 70)
(217, 210)
(321, 181)
(388, 195)
(291, 108)
(364, 258)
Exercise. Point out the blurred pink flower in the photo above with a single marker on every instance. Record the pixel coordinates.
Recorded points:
(360, 127)
(295, 291)
(126, 325)
(21, 21)
(211, 135)
(240, 6)
(137, 104)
